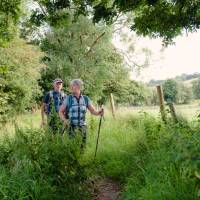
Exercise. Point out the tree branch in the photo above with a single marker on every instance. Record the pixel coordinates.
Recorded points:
(94, 43)
(41, 7)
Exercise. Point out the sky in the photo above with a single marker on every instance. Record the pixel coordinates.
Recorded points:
(183, 57)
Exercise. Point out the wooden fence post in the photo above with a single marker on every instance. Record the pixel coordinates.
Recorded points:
(161, 101)
(173, 112)
(112, 103)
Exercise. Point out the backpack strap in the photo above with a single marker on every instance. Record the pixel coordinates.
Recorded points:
(51, 95)
(69, 102)
(62, 95)
(69, 105)
(86, 100)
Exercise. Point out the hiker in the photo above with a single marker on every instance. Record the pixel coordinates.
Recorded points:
(74, 108)
(51, 105)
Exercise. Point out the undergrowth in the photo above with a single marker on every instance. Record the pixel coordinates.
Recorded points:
(151, 160)
(35, 165)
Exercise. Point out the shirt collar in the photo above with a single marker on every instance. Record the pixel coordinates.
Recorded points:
(76, 96)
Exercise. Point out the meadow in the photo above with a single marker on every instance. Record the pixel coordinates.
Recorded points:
(149, 159)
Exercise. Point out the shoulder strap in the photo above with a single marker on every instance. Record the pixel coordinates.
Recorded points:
(51, 95)
(62, 94)
(69, 101)
(86, 100)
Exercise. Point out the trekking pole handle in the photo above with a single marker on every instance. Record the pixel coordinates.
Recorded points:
(102, 116)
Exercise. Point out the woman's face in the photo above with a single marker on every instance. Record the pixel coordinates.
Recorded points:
(75, 89)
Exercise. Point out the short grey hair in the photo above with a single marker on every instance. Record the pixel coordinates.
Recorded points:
(77, 82)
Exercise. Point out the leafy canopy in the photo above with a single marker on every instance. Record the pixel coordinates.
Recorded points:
(154, 18)
(19, 70)
(82, 50)
(9, 15)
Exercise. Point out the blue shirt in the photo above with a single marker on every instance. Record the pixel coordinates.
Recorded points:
(77, 108)
(54, 97)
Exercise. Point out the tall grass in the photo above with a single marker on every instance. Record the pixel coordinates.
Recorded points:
(152, 160)
(35, 165)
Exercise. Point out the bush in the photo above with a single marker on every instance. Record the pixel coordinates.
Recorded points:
(35, 165)
(19, 71)
(150, 159)
(170, 166)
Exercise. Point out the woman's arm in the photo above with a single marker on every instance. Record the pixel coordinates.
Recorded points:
(94, 111)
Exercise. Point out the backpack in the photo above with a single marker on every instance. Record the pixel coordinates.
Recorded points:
(69, 103)
(62, 96)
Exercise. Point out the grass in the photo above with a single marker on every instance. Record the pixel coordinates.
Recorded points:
(151, 160)
(189, 111)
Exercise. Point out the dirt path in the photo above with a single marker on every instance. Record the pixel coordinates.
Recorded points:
(106, 189)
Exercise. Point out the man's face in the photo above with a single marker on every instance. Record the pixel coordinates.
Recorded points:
(75, 89)
(57, 86)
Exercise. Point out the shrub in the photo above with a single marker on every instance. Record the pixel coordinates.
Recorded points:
(35, 165)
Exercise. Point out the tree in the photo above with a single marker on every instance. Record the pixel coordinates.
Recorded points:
(9, 16)
(138, 94)
(185, 94)
(155, 18)
(82, 50)
(170, 90)
(19, 70)
(196, 88)
(176, 92)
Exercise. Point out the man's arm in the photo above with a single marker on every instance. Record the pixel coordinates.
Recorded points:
(45, 102)
(94, 111)
(43, 113)
(62, 113)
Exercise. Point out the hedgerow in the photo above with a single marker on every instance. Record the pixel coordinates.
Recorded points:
(36, 165)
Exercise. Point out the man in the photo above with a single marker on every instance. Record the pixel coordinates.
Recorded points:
(74, 108)
(51, 105)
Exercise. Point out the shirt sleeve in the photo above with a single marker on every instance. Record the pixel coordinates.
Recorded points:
(46, 98)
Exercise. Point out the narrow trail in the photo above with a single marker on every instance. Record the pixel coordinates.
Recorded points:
(106, 189)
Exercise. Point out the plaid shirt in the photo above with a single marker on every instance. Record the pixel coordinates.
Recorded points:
(77, 109)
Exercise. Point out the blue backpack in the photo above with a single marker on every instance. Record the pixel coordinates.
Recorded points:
(51, 102)
(69, 103)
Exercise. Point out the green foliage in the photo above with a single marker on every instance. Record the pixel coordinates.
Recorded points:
(196, 88)
(185, 94)
(170, 170)
(152, 160)
(9, 15)
(85, 51)
(129, 92)
(19, 71)
(35, 165)
(182, 77)
(154, 18)
(170, 90)
(176, 92)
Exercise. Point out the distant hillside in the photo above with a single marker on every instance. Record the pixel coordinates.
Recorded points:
(188, 78)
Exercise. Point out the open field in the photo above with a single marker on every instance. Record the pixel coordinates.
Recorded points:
(187, 111)
(190, 112)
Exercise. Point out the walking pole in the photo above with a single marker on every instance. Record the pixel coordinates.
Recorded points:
(98, 136)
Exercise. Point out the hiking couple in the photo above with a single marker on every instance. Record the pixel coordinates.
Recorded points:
(68, 110)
